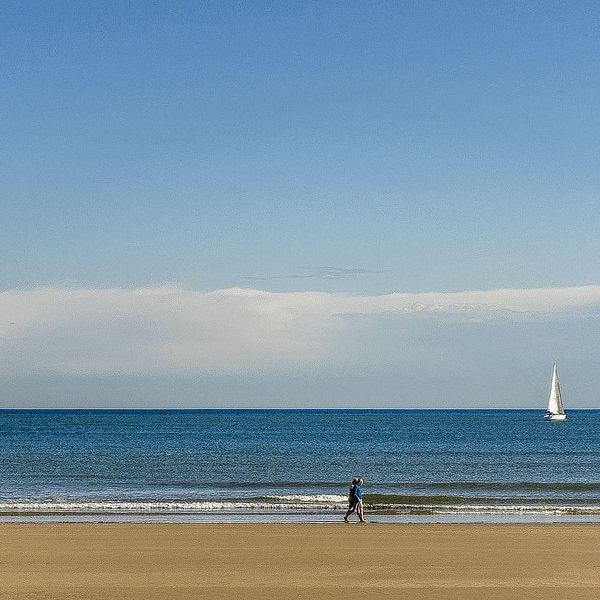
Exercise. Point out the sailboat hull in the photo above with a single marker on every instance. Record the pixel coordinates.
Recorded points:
(555, 417)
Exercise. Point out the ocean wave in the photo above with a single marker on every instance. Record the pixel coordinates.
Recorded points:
(304, 498)
(291, 504)
(486, 509)
(295, 503)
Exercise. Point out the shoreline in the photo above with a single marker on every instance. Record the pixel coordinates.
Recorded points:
(172, 561)
(297, 518)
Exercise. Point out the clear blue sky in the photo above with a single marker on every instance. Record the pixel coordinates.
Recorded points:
(356, 148)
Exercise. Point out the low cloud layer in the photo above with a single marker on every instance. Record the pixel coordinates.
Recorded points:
(173, 331)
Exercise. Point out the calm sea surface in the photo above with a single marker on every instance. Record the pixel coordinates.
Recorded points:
(280, 465)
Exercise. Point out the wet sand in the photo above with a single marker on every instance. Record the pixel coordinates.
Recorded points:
(324, 561)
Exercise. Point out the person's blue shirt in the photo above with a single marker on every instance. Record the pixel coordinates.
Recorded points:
(357, 492)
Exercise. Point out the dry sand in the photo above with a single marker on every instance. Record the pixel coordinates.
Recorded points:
(321, 561)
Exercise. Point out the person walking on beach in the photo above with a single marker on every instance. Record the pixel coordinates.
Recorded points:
(355, 502)
(351, 499)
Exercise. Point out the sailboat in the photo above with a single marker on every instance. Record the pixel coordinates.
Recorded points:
(556, 410)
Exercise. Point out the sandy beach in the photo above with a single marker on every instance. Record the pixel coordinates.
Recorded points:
(177, 561)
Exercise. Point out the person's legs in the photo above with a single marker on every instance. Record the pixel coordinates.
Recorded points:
(360, 511)
(349, 512)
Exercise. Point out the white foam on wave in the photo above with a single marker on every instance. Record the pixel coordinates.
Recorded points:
(289, 503)
(491, 509)
(303, 498)
(284, 503)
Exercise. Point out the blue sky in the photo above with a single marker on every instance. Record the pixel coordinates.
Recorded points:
(305, 154)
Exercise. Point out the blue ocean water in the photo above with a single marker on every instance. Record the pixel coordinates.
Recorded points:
(296, 465)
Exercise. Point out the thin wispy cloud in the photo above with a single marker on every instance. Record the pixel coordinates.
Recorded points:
(322, 273)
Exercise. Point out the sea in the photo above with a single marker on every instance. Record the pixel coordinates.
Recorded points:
(212, 466)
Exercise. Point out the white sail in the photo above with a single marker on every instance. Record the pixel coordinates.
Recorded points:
(556, 410)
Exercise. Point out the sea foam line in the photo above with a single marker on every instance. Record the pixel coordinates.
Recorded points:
(283, 504)
(292, 503)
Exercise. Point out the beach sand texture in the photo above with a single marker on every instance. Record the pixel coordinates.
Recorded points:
(328, 561)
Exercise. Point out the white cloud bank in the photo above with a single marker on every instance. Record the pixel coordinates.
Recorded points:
(172, 331)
